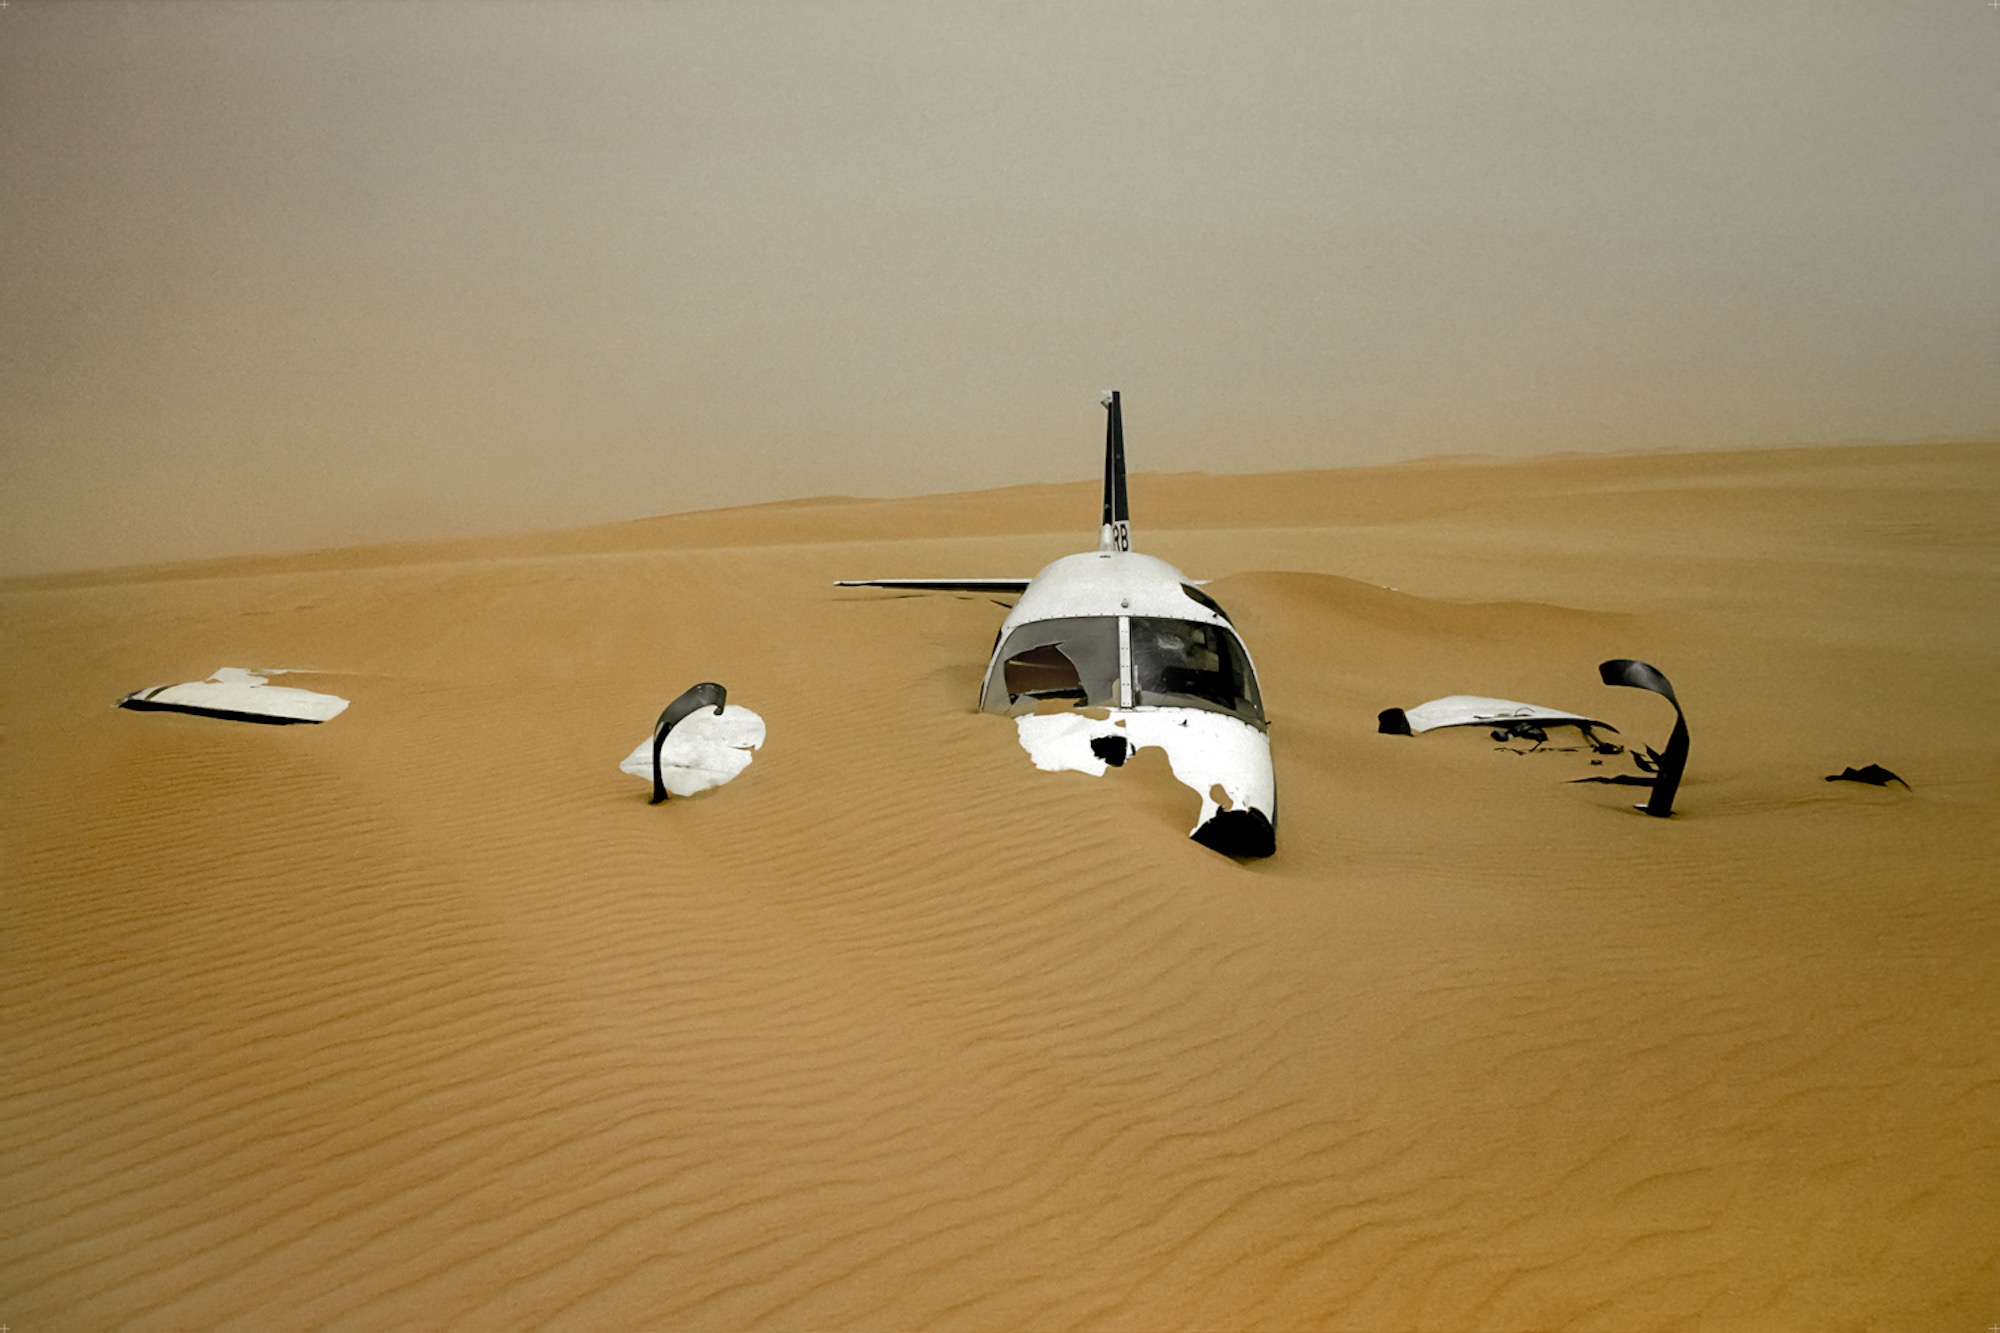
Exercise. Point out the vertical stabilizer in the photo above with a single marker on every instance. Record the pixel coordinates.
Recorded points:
(1116, 532)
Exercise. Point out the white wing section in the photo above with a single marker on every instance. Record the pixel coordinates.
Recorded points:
(702, 751)
(1472, 710)
(238, 694)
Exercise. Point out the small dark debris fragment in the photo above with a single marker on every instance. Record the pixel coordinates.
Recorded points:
(1874, 775)
(1596, 742)
(1113, 750)
(1520, 731)
(1619, 780)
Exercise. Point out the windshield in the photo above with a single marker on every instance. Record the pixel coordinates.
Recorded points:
(1179, 663)
(1074, 659)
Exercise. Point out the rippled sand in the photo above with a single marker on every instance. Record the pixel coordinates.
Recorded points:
(424, 1018)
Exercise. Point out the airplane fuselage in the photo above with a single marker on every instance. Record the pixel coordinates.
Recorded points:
(1111, 652)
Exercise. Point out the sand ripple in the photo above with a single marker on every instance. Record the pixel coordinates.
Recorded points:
(425, 1018)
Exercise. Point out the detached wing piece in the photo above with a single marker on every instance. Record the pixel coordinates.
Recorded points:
(939, 585)
(701, 749)
(1471, 710)
(236, 695)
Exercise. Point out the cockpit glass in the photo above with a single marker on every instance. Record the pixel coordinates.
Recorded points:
(1188, 664)
(1073, 660)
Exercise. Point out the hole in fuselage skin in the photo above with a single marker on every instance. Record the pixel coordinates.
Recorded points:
(1113, 750)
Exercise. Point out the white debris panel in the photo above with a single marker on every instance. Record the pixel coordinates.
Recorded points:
(240, 695)
(703, 750)
(1213, 753)
(1471, 710)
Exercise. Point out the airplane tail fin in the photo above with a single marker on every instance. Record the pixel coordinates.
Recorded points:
(1116, 532)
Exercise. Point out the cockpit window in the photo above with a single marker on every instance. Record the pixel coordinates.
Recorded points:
(1181, 663)
(1043, 673)
(1073, 659)
(1200, 598)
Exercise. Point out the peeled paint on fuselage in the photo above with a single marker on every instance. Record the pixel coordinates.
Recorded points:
(703, 750)
(1208, 752)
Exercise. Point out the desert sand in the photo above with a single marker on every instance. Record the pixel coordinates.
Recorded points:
(425, 1018)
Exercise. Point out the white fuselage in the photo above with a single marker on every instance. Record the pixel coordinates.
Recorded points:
(1111, 652)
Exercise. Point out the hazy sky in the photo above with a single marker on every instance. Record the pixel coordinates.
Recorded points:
(289, 273)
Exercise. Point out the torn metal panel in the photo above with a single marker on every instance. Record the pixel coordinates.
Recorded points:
(700, 751)
(238, 694)
(1224, 760)
(1471, 710)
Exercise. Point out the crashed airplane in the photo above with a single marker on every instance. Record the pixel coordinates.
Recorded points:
(1109, 652)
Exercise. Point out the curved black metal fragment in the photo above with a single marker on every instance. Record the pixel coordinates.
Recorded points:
(692, 700)
(1392, 722)
(1671, 761)
(1244, 833)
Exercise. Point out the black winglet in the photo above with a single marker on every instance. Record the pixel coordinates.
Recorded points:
(692, 700)
(1672, 760)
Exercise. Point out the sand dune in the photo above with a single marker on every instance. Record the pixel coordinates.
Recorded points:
(425, 1018)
